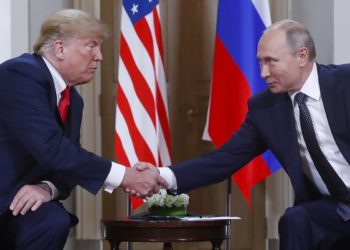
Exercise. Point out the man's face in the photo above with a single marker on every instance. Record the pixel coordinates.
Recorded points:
(80, 60)
(278, 66)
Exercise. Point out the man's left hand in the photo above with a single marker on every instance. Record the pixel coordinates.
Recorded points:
(30, 197)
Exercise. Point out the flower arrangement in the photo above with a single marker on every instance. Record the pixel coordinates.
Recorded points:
(164, 204)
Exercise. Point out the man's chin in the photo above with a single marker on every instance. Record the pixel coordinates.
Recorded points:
(84, 81)
(275, 90)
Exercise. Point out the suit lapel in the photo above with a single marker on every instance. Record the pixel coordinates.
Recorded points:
(49, 82)
(333, 102)
(72, 126)
(51, 89)
(75, 108)
(72, 129)
(283, 116)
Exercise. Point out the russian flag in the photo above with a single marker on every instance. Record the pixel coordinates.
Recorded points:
(236, 77)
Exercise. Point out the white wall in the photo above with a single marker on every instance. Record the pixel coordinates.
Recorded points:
(39, 10)
(341, 31)
(13, 28)
(19, 27)
(5, 28)
(318, 17)
(20, 24)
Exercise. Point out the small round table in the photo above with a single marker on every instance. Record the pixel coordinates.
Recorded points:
(167, 231)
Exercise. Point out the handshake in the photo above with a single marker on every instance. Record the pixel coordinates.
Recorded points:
(143, 180)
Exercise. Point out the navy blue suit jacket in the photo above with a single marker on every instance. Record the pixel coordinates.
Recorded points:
(34, 143)
(270, 124)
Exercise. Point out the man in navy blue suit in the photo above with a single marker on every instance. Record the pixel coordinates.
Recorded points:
(318, 219)
(41, 158)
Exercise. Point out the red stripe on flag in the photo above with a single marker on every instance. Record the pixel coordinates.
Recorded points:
(250, 175)
(141, 87)
(164, 121)
(229, 94)
(158, 31)
(120, 152)
(135, 202)
(163, 118)
(141, 148)
(143, 31)
(123, 159)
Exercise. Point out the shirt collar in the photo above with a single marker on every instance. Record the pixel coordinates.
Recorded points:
(311, 87)
(58, 81)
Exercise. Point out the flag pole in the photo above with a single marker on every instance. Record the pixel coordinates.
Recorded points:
(228, 211)
(129, 213)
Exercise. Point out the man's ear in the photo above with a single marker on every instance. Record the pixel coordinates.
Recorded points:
(303, 54)
(58, 49)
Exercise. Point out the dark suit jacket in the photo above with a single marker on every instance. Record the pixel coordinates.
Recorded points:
(34, 144)
(270, 124)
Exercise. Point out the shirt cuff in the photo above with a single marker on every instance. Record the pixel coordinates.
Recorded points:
(54, 190)
(168, 175)
(114, 178)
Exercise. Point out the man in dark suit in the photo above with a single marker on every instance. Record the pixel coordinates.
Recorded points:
(41, 158)
(319, 217)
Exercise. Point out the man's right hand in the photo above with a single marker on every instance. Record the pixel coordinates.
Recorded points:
(142, 180)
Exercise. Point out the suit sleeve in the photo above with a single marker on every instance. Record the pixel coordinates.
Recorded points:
(218, 165)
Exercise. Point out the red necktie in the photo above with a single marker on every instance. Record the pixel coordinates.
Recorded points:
(63, 105)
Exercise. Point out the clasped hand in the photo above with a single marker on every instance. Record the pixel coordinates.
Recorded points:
(143, 180)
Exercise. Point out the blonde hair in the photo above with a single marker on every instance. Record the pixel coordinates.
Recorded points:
(67, 24)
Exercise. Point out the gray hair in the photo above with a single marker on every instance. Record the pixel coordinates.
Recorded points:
(66, 24)
(297, 36)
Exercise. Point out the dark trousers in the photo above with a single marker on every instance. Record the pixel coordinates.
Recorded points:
(314, 225)
(45, 229)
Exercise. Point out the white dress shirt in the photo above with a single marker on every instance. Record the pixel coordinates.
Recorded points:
(324, 136)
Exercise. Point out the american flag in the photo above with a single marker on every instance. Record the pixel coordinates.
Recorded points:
(142, 126)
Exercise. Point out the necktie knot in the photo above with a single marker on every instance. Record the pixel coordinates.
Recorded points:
(65, 93)
(300, 98)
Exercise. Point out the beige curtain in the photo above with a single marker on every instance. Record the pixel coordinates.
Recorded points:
(89, 207)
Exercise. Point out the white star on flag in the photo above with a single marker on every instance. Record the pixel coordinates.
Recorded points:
(134, 8)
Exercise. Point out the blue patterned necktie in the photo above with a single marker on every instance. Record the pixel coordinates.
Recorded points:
(335, 185)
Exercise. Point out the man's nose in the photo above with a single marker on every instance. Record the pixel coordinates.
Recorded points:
(264, 71)
(98, 54)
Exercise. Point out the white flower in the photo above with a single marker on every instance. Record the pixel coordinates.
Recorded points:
(163, 199)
